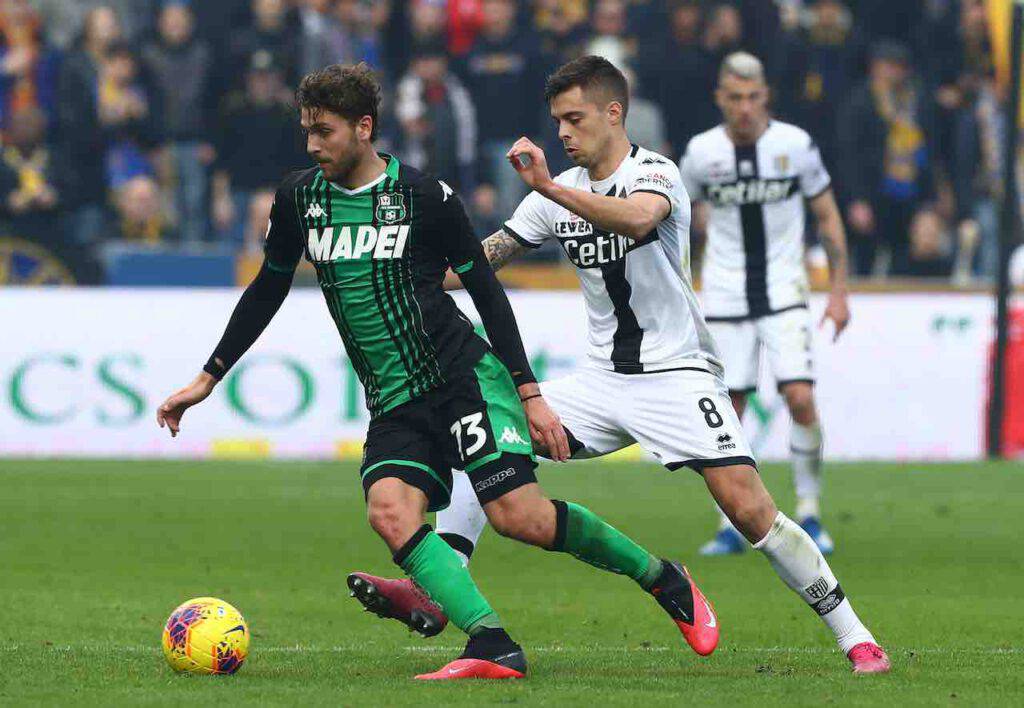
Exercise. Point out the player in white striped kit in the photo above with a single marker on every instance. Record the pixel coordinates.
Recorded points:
(653, 376)
(748, 179)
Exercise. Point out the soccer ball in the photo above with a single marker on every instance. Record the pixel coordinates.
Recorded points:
(206, 636)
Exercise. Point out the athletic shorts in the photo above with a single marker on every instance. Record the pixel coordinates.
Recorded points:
(785, 337)
(474, 423)
(684, 417)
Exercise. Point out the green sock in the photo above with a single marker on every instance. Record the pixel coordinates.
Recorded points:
(436, 568)
(585, 535)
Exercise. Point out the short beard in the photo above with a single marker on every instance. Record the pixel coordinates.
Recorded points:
(344, 165)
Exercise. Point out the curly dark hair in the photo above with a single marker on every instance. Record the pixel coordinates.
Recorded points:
(590, 73)
(351, 91)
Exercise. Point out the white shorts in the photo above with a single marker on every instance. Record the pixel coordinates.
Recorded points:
(786, 338)
(684, 417)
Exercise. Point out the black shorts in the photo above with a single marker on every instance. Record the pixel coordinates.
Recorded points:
(474, 423)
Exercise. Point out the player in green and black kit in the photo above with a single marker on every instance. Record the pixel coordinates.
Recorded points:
(381, 236)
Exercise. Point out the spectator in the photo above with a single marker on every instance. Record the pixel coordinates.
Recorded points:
(28, 65)
(179, 71)
(270, 31)
(886, 162)
(34, 186)
(818, 63)
(354, 35)
(503, 76)
(243, 176)
(464, 18)
(561, 26)
(978, 156)
(438, 118)
(316, 26)
(80, 135)
(124, 115)
(608, 36)
(140, 211)
(31, 187)
(679, 75)
(65, 18)
(723, 33)
(412, 24)
(930, 246)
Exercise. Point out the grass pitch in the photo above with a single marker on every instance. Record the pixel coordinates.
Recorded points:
(94, 555)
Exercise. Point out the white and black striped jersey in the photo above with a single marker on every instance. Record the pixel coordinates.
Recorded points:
(642, 313)
(753, 261)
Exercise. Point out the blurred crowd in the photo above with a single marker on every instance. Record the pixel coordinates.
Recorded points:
(168, 123)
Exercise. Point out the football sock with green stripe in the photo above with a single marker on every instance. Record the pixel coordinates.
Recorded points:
(580, 532)
(436, 568)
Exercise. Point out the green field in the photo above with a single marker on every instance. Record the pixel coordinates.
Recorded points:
(94, 555)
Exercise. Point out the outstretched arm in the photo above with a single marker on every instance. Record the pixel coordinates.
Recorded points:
(257, 306)
(634, 217)
(499, 247)
(833, 240)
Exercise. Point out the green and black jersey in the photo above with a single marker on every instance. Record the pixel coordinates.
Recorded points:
(380, 253)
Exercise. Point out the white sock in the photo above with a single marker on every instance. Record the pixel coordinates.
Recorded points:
(805, 452)
(461, 524)
(801, 566)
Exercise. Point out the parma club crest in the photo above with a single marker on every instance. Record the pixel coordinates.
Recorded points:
(390, 208)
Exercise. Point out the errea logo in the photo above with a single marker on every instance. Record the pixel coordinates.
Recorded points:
(315, 211)
(384, 243)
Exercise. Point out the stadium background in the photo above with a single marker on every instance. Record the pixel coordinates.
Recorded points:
(142, 141)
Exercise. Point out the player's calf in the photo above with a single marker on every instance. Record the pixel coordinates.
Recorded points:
(524, 514)
(740, 494)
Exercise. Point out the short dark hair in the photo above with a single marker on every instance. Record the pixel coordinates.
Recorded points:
(589, 72)
(350, 90)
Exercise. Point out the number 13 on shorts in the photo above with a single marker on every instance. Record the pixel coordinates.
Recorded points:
(470, 435)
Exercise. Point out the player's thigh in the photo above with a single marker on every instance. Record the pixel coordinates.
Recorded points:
(788, 345)
(480, 421)
(589, 404)
(738, 348)
(401, 445)
(686, 419)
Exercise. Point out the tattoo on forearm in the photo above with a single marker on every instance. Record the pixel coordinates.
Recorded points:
(500, 248)
(836, 256)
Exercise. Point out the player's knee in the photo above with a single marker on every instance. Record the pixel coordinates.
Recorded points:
(393, 517)
(800, 401)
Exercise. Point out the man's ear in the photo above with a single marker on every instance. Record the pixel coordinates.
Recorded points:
(614, 111)
(364, 128)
